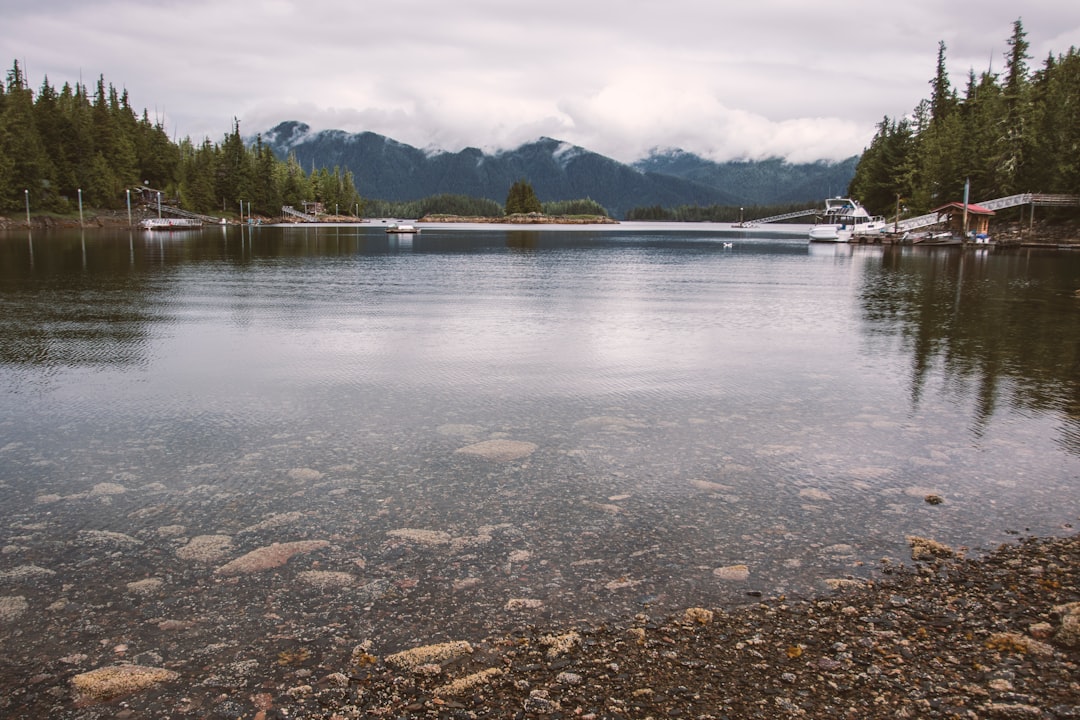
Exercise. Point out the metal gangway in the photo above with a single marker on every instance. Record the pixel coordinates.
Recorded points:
(778, 218)
(171, 210)
(293, 212)
(1008, 201)
(151, 199)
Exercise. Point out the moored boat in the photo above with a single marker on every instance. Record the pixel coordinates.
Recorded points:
(843, 219)
(938, 239)
(171, 224)
(402, 229)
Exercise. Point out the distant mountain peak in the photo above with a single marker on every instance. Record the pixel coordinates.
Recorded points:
(287, 134)
(386, 169)
(666, 152)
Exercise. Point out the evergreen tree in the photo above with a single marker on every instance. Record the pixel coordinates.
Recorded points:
(198, 170)
(233, 182)
(1059, 141)
(266, 188)
(1014, 95)
(522, 199)
(55, 133)
(982, 138)
(159, 157)
(79, 148)
(1016, 63)
(295, 186)
(942, 97)
(878, 177)
(27, 163)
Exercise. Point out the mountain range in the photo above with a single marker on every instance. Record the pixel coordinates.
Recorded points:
(386, 169)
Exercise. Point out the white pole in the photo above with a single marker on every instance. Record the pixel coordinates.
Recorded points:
(80, 208)
(27, 207)
(128, 191)
(159, 204)
(967, 189)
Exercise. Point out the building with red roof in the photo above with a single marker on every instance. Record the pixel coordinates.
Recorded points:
(978, 217)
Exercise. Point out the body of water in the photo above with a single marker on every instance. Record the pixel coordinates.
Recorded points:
(471, 429)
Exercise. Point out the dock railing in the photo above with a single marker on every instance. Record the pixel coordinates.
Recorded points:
(1034, 199)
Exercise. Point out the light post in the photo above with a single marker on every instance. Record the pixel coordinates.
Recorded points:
(80, 208)
(159, 204)
(129, 205)
(27, 191)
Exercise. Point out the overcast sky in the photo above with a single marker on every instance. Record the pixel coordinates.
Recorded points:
(789, 78)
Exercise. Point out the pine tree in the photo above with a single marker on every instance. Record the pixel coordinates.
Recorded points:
(27, 164)
(522, 199)
(1011, 158)
(266, 188)
(878, 177)
(57, 136)
(942, 97)
(233, 182)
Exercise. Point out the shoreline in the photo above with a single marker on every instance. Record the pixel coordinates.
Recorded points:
(119, 219)
(996, 636)
(522, 219)
(1060, 235)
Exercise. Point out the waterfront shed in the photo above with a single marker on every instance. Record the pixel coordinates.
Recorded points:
(952, 214)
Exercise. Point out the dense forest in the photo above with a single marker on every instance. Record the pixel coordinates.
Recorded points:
(1010, 132)
(57, 145)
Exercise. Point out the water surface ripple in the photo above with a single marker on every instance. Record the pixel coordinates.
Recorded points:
(597, 423)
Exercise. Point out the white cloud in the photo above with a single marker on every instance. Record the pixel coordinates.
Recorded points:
(776, 77)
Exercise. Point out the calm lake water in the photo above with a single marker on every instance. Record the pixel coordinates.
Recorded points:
(669, 408)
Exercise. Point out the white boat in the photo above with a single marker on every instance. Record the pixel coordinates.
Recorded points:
(402, 229)
(944, 238)
(171, 224)
(843, 219)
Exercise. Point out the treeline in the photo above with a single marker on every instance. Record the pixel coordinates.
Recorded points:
(59, 143)
(1010, 132)
(445, 204)
(714, 213)
(466, 206)
(569, 208)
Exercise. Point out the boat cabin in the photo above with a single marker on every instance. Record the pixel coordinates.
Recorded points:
(978, 218)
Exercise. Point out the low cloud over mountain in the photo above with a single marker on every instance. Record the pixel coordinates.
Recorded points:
(389, 170)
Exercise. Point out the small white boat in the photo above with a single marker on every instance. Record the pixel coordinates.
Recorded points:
(843, 219)
(171, 224)
(402, 229)
(944, 238)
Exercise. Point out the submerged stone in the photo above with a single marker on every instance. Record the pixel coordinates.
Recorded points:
(268, 557)
(112, 682)
(732, 572)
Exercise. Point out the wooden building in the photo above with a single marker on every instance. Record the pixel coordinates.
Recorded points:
(978, 218)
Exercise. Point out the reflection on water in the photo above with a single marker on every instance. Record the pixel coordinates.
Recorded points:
(1001, 327)
(470, 429)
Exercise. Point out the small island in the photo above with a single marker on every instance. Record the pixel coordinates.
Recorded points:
(524, 208)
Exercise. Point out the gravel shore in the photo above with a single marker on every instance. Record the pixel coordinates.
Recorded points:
(997, 637)
(940, 637)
